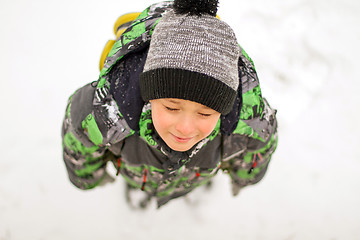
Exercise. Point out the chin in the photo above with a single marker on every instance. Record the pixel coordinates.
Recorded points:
(180, 148)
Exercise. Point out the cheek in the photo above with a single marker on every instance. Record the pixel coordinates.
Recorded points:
(160, 120)
(206, 127)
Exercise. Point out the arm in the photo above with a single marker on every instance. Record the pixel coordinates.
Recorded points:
(92, 134)
(82, 156)
(248, 150)
(247, 155)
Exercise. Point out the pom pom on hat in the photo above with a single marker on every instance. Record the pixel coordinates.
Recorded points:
(196, 7)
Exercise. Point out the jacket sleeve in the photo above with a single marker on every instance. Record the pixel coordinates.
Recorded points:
(91, 129)
(82, 152)
(248, 150)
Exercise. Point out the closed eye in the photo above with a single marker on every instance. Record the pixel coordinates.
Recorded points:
(171, 109)
(205, 114)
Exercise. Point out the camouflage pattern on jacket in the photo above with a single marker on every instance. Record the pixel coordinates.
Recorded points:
(96, 132)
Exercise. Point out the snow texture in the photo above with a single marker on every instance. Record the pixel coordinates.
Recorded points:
(306, 58)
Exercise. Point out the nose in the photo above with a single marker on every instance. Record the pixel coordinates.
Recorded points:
(185, 126)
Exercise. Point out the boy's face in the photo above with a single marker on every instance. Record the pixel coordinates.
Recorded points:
(182, 123)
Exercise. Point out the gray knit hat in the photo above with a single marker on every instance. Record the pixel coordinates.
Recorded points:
(192, 56)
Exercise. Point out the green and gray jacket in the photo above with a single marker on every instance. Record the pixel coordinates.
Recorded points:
(106, 121)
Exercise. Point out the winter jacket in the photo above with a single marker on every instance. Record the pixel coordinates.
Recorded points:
(107, 121)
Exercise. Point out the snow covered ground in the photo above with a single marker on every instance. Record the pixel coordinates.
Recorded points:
(306, 53)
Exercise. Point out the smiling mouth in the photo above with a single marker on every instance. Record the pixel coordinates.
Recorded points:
(181, 140)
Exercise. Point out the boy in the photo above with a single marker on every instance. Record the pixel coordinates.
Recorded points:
(176, 101)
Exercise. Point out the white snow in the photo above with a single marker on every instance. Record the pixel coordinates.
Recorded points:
(306, 54)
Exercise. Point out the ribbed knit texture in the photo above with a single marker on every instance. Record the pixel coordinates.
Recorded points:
(183, 84)
(197, 48)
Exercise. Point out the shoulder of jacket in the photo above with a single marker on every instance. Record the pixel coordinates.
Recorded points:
(256, 114)
(248, 98)
(95, 118)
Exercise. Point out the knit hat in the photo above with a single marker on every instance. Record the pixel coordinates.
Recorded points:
(192, 56)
